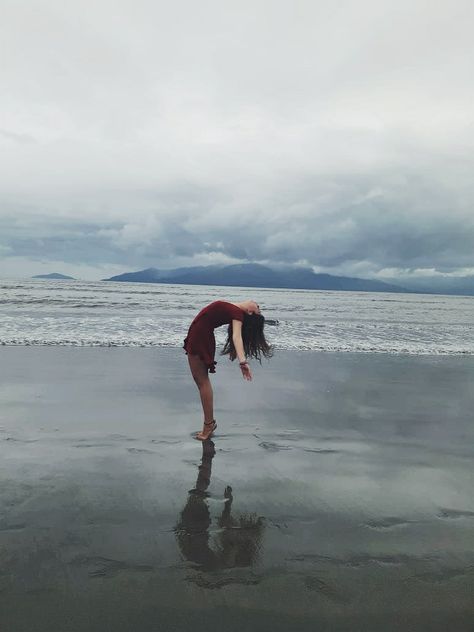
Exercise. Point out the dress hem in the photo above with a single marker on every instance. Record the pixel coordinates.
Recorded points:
(210, 365)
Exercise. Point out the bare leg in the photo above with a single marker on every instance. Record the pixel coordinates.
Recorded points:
(201, 377)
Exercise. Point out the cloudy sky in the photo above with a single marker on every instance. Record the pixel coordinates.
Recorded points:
(336, 134)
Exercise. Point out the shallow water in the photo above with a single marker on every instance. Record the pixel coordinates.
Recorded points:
(138, 314)
(337, 493)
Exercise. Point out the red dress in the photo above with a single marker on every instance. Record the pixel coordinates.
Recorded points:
(200, 339)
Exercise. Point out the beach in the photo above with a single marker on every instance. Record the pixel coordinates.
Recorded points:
(336, 494)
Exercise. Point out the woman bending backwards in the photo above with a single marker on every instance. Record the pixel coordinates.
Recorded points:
(245, 339)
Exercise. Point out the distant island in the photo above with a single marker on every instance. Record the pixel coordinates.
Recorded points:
(54, 275)
(256, 275)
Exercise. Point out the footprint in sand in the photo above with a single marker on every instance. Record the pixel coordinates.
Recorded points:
(273, 447)
(455, 513)
(140, 451)
(390, 522)
(321, 450)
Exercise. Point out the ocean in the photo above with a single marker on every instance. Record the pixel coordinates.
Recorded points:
(102, 313)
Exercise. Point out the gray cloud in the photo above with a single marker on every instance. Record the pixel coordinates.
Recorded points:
(16, 138)
(158, 134)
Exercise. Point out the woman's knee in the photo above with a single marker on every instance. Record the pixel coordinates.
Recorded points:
(202, 381)
(199, 374)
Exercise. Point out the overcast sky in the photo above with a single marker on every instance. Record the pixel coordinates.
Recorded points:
(336, 134)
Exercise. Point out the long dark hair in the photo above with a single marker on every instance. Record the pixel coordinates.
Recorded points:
(253, 338)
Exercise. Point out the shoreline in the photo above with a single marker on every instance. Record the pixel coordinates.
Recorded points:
(441, 354)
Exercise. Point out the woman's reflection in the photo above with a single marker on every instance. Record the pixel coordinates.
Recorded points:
(236, 542)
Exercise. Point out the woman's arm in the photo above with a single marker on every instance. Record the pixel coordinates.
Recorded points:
(237, 340)
(239, 349)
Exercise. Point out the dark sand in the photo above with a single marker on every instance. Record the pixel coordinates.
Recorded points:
(351, 504)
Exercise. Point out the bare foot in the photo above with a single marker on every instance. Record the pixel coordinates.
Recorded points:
(207, 431)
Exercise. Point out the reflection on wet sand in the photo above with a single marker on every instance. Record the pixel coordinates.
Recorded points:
(236, 540)
(361, 466)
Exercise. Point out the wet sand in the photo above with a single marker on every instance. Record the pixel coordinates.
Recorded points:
(336, 495)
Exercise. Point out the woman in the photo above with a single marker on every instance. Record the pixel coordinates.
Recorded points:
(245, 338)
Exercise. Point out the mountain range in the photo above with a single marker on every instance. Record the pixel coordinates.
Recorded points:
(54, 275)
(461, 286)
(256, 275)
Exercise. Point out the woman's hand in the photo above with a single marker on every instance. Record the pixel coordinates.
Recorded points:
(246, 372)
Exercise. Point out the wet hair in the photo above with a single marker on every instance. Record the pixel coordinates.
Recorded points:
(255, 345)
